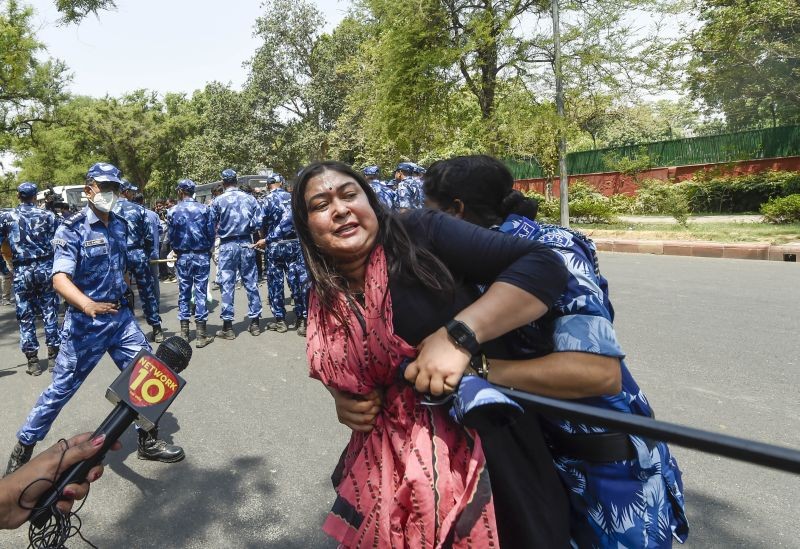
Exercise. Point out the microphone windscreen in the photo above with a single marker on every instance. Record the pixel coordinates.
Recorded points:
(175, 352)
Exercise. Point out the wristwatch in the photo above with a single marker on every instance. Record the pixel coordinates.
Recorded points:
(463, 336)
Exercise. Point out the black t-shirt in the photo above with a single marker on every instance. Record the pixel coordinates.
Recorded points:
(530, 502)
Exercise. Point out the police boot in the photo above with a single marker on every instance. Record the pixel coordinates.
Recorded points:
(20, 455)
(255, 327)
(33, 364)
(279, 326)
(202, 338)
(52, 353)
(153, 449)
(227, 330)
(301, 327)
(158, 333)
(185, 329)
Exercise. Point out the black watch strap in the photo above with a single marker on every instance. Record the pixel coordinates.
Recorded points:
(463, 336)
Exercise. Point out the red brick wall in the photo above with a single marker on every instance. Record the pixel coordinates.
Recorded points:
(614, 182)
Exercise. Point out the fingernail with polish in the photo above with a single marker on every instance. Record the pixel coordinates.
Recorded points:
(68, 493)
(98, 440)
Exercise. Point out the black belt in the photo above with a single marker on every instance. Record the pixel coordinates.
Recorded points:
(133, 248)
(596, 447)
(246, 238)
(31, 261)
(119, 303)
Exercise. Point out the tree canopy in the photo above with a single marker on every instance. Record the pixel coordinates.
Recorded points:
(417, 81)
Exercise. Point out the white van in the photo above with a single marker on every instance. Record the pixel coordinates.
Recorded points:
(71, 194)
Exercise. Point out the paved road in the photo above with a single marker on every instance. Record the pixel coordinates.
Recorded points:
(714, 342)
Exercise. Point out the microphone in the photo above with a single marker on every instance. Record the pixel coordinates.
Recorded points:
(142, 393)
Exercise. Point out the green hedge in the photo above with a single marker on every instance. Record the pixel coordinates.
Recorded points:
(782, 210)
(586, 205)
(737, 194)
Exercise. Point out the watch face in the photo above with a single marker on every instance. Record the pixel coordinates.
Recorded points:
(463, 336)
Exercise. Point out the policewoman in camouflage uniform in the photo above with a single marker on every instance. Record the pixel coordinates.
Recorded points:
(30, 231)
(386, 195)
(190, 228)
(284, 256)
(140, 247)
(409, 188)
(237, 216)
(88, 269)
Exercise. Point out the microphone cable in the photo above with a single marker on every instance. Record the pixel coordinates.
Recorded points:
(59, 528)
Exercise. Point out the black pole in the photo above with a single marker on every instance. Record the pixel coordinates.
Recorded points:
(768, 455)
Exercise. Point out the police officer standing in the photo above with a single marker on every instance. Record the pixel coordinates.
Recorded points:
(30, 231)
(88, 272)
(284, 256)
(408, 191)
(155, 229)
(386, 195)
(190, 227)
(140, 247)
(237, 216)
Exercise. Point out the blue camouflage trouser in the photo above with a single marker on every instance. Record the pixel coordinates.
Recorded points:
(238, 256)
(84, 340)
(286, 257)
(33, 286)
(193, 270)
(139, 267)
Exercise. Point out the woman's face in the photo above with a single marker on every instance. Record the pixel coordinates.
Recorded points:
(340, 217)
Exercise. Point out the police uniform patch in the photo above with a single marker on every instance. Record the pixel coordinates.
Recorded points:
(557, 238)
(74, 219)
(95, 242)
(59, 242)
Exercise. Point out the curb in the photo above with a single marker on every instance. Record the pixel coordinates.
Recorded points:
(690, 248)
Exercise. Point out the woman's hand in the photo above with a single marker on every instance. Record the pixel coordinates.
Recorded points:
(357, 413)
(439, 365)
(23, 482)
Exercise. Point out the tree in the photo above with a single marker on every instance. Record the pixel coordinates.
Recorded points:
(75, 10)
(137, 132)
(746, 61)
(221, 135)
(30, 88)
(281, 78)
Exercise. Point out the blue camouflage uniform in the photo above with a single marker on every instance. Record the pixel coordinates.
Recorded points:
(386, 195)
(284, 255)
(190, 226)
(30, 231)
(155, 230)
(139, 248)
(94, 256)
(237, 216)
(630, 503)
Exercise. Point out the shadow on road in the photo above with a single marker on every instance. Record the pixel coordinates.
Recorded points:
(712, 520)
(182, 501)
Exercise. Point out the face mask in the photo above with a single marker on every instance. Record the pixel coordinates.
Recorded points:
(104, 201)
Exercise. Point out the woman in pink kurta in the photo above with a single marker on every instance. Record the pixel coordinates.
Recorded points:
(416, 479)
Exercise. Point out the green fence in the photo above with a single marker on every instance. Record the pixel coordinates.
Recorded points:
(710, 149)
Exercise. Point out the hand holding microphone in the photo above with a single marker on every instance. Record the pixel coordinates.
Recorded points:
(20, 490)
(142, 392)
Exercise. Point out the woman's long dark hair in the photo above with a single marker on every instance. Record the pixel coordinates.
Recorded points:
(404, 259)
(483, 184)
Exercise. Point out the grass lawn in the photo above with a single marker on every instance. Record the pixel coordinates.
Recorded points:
(716, 232)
